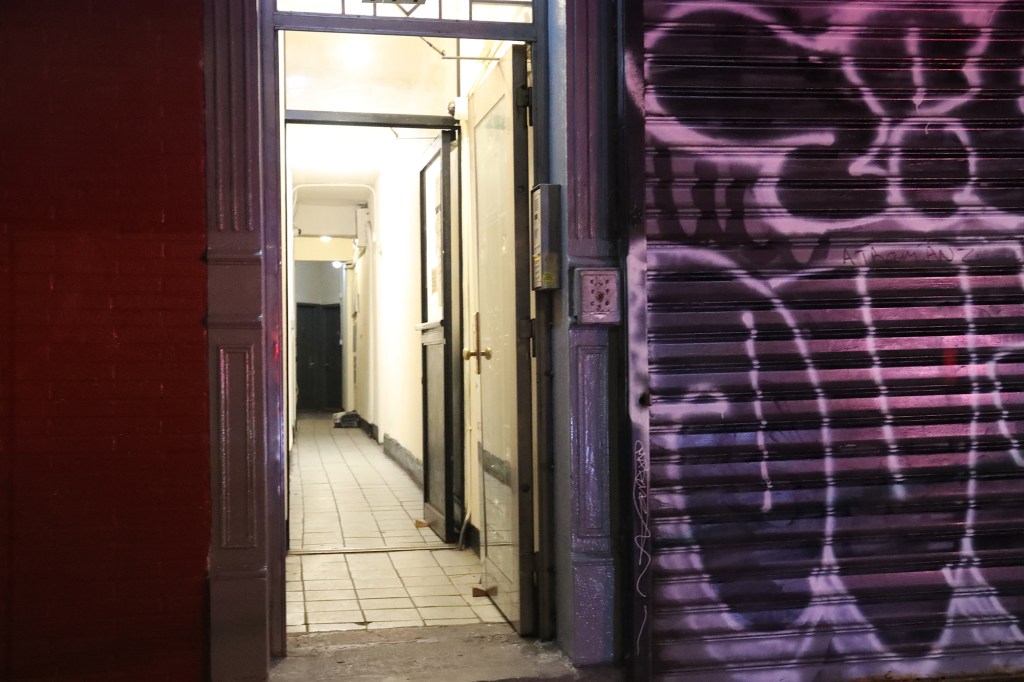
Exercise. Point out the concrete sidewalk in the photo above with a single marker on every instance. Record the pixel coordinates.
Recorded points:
(458, 653)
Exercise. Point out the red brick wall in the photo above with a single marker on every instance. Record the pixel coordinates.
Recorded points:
(104, 493)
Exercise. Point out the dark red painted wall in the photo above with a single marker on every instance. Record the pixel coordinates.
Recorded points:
(104, 493)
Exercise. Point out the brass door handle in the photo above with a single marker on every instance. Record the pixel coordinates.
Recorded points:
(478, 353)
(485, 353)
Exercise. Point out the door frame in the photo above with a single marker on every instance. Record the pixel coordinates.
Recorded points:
(448, 334)
(245, 307)
(452, 332)
(322, 312)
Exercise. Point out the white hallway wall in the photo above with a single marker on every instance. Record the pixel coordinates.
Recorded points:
(389, 360)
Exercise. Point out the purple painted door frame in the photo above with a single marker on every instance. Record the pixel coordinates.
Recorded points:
(247, 541)
(246, 572)
(588, 366)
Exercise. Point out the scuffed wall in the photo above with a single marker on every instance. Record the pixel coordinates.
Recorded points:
(830, 481)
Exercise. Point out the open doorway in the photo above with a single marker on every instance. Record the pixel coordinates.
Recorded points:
(406, 164)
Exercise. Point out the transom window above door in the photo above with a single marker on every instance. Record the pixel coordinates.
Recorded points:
(512, 11)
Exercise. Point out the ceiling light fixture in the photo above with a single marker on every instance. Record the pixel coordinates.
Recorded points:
(325, 238)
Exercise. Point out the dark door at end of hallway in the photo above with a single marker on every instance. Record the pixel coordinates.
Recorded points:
(318, 356)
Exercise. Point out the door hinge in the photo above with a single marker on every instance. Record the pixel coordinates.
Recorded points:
(530, 566)
(528, 332)
(525, 99)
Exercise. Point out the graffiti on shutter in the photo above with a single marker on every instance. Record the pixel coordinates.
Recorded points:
(833, 483)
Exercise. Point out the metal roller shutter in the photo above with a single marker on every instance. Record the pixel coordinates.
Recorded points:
(831, 471)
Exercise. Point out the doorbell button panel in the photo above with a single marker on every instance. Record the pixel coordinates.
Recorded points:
(597, 296)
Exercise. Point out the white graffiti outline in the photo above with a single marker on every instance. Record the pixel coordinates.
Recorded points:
(833, 620)
(642, 509)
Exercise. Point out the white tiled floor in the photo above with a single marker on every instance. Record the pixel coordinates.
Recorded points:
(346, 494)
(376, 590)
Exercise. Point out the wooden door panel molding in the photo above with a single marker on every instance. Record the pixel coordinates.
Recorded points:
(236, 447)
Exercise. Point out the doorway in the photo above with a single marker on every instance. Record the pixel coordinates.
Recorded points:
(420, 164)
(318, 357)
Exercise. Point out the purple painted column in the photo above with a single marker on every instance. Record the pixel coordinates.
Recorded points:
(239, 640)
(590, 637)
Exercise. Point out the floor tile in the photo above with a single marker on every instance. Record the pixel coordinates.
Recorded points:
(438, 590)
(439, 600)
(488, 614)
(332, 605)
(381, 592)
(335, 627)
(421, 580)
(335, 584)
(375, 615)
(377, 582)
(436, 612)
(386, 625)
(326, 572)
(335, 617)
(330, 595)
(345, 493)
(414, 559)
(381, 604)
(420, 571)
(451, 621)
(470, 579)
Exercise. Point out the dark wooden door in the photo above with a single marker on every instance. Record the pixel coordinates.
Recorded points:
(318, 356)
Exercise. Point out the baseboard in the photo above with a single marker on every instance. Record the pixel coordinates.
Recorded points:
(404, 459)
(368, 428)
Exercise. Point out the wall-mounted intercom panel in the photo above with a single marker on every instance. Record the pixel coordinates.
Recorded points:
(545, 222)
(596, 296)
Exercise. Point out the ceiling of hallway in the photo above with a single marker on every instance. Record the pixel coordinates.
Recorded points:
(331, 165)
(362, 74)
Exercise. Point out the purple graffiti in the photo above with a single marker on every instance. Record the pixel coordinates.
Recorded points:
(834, 311)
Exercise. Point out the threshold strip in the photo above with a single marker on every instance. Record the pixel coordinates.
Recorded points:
(372, 550)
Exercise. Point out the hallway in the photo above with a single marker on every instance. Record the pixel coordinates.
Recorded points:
(357, 560)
